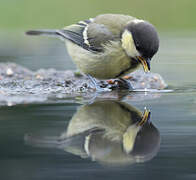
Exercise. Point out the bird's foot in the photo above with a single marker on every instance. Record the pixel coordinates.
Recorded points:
(100, 89)
(97, 87)
(120, 84)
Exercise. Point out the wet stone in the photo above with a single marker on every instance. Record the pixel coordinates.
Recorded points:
(19, 85)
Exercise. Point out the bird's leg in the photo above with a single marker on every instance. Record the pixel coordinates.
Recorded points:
(97, 87)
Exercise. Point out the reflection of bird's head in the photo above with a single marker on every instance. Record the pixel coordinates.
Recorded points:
(146, 143)
(140, 41)
(140, 143)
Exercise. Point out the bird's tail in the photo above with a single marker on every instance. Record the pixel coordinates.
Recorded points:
(49, 32)
(42, 32)
(41, 140)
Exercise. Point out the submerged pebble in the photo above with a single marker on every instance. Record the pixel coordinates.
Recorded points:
(19, 85)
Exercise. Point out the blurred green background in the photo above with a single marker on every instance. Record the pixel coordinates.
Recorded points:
(165, 15)
(174, 19)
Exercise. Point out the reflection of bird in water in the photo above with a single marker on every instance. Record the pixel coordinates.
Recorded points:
(110, 132)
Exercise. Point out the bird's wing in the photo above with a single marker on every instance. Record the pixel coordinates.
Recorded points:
(93, 33)
(88, 35)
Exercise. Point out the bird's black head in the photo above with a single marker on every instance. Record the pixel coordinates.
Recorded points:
(145, 41)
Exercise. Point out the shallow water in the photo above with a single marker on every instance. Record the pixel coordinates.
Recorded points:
(36, 142)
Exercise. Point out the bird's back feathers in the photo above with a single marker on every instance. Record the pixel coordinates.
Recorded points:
(90, 34)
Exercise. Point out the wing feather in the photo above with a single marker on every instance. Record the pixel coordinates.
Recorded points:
(91, 34)
(88, 35)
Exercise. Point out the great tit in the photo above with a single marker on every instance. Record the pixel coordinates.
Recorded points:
(108, 46)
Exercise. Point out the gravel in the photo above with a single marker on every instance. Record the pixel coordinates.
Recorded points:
(19, 85)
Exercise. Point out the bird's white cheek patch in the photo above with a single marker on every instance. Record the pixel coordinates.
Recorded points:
(129, 138)
(128, 44)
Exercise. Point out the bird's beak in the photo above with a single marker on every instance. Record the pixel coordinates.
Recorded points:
(145, 63)
(145, 117)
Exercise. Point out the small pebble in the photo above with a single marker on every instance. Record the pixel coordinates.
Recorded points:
(38, 76)
(9, 72)
(143, 84)
(9, 103)
(127, 77)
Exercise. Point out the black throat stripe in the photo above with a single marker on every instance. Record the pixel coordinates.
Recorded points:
(133, 64)
(133, 114)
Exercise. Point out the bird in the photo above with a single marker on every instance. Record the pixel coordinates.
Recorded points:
(108, 46)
